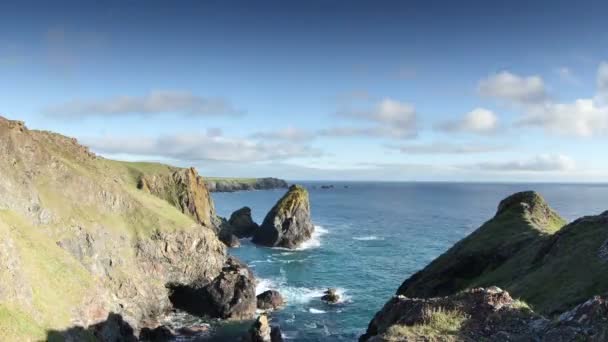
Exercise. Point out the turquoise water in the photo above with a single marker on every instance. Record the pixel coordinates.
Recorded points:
(372, 236)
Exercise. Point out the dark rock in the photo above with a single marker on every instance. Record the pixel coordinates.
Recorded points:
(229, 296)
(242, 224)
(275, 334)
(270, 299)
(331, 296)
(114, 329)
(229, 239)
(288, 223)
(326, 187)
(158, 334)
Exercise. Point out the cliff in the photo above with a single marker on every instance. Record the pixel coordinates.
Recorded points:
(80, 242)
(528, 250)
(215, 184)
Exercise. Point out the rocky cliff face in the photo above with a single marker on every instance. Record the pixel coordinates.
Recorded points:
(244, 184)
(288, 223)
(81, 241)
(484, 315)
(527, 249)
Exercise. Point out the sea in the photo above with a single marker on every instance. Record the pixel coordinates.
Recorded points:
(369, 237)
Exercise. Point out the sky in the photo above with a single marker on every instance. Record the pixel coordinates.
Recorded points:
(319, 90)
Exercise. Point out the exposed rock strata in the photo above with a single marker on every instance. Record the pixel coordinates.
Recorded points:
(288, 223)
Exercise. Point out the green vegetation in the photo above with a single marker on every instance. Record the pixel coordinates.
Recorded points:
(297, 195)
(444, 324)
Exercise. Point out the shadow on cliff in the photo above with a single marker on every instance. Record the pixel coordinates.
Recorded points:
(114, 329)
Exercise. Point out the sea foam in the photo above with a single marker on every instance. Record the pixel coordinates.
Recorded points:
(368, 238)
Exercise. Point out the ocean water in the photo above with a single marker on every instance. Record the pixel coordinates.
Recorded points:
(372, 236)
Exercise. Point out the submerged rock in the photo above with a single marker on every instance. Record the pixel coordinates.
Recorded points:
(331, 296)
(270, 299)
(229, 296)
(288, 223)
(242, 224)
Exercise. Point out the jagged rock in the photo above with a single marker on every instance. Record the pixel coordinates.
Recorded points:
(261, 331)
(331, 296)
(242, 224)
(288, 223)
(270, 299)
(586, 322)
(158, 334)
(229, 296)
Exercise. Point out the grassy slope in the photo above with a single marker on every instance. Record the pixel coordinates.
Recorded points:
(533, 255)
(78, 191)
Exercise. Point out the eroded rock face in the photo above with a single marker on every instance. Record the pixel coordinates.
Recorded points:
(242, 224)
(229, 239)
(261, 331)
(229, 296)
(269, 300)
(185, 189)
(288, 223)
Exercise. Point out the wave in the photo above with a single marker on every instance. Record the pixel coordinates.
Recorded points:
(315, 311)
(368, 238)
(297, 295)
(315, 239)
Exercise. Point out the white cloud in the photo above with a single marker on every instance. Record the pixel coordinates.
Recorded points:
(156, 102)
(585, 117)
(288, 134)
(392, 118)
(514, 88)
(197, 147)
(478, 121)
(446, 148)
(540, 163)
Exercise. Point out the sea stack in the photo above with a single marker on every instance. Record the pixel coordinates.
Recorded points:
(288, 223)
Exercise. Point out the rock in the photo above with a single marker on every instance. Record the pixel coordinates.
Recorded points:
(331, 296)
(242, 224)
(114, 329)
(261, 331)
(158, 334)
(327, 187)
(276, 335)
(229, 296)
(184, 189)
(288, 223)
(270, 299)
(229, 239)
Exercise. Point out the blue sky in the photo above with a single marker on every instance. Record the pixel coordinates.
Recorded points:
(352, 90)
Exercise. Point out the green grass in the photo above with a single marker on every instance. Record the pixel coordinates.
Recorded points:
(439, 324)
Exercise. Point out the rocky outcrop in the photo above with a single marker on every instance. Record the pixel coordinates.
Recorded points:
(331, 296)
(484, 314)
(80, 241)
(244, 184)
(184, 189)
(261, 331)
(502, 249)
(229, 296)
(288, 223)
(229, 239)
(269, 300)
(242, 224)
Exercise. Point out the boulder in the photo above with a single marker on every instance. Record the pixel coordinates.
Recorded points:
(270, 299)
(331, 296)
(229, 296)
(288, 223)
(261, 331)
(242, 224)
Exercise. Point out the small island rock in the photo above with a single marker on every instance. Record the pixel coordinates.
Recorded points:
(288, 223)
(331, 296)
(270, 299)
